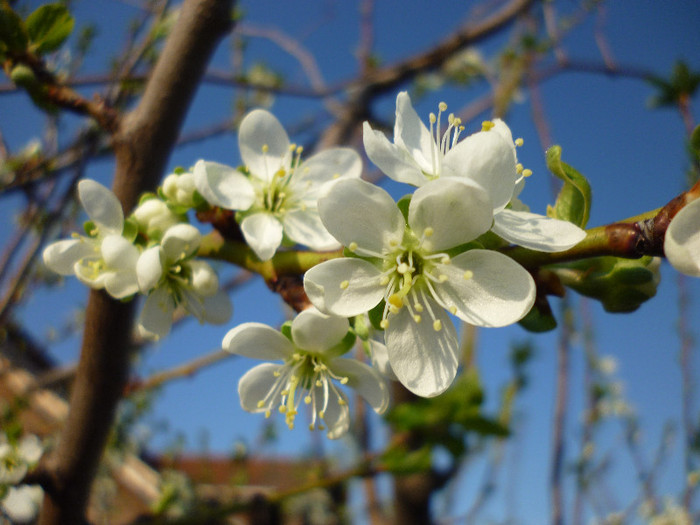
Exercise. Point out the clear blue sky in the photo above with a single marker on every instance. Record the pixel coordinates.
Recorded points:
(633, 157)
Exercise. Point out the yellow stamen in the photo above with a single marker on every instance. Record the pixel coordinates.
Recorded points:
(519, 141)
(344, 285)
(468, 275)
(527, 173)
(487, 125)
(437, 325)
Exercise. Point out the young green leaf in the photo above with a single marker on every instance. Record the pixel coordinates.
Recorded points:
(574, 200)
(49, 26)
(13, 34)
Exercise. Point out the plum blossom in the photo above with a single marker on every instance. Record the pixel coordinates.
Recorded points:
(311, 370)
(171, 277)
(279, 196)
(420, 155)
(104, 259)
(405, 263)
(682, 240)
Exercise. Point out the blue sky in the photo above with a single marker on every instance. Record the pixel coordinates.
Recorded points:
(634, 158)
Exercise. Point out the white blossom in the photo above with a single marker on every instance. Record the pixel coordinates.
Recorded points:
(172, 277)
(280, 195)
(104, 259)
(310, 373)
(420, 155)
(154, 217)
(682, 240)
(405, 264)
(179, 189)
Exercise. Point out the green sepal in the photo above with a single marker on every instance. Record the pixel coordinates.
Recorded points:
(540, 318)
(403, 204)
(89, 228)
(375, 315)
(286, 329)
(49, 26)
(574, 200)
(147, 197)
(457, 250)
(345, 344)
(361, 328)
(179, 170)
(131, 229)
(13, 32)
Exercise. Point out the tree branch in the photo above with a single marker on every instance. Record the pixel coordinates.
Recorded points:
(142, 146)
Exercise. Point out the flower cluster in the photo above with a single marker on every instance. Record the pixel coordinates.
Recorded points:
(152, 253)
(20, 503)
(409, 267)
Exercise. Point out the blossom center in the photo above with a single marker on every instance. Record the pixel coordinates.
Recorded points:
(306, 377)
(410, 271)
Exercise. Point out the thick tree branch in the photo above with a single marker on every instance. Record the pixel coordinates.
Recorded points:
(142, 146)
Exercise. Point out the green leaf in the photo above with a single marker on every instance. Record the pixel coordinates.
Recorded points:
(574, 200)
(540, 318)
(13, 33)
(49, 26)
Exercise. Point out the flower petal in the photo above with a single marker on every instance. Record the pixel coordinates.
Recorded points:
(456, 211)
(256, 384)
(365, 379)
(22, 504)
(497, 291)
(118, 253)
(218, 308)
(263, 233)
(61, 256)
(258, 341)
(102, 206)
(380, 359)
(121, 284)
(179, 242)
(317, 332)
(305, 227)
(260, 130)
(223, 186)
(423, 359)
(487, 159)
(682, 241)
(327, 166)
(149, 268)
(325, 286)
(392, 160)
(157, 315)
(537, 232)
(357, 211)
(410, 133)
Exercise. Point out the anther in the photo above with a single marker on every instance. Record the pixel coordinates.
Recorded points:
(418, 307)
(428, 231)
(442, 277)
(417, 318)
(307, 400)
(442, 106)
(527, 173)
(519, 141)
(344, 285)
(352, 246)
(487, 125)
(518, 168)
(261, 403)
(265, 148)
(344, 380)
(468, 274)
(384, 324)
(395, 300)
(453, 310)
(437, 325)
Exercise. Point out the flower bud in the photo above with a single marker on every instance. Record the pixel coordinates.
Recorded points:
(179, 189)
(154, 217)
